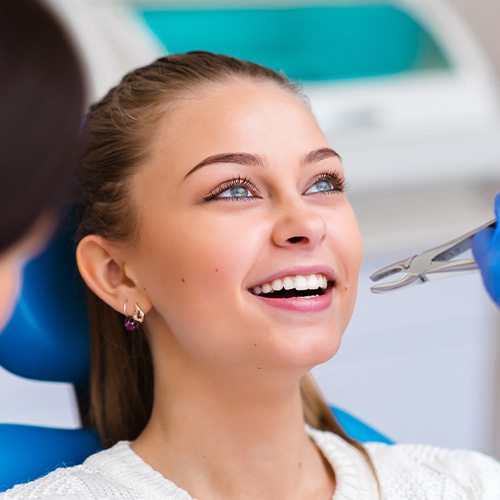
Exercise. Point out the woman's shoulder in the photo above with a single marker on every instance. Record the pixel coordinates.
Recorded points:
(439, 459)
(89, 480)
(455, 473)
(416, 471)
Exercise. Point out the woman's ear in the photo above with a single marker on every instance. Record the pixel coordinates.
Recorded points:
(103, 270)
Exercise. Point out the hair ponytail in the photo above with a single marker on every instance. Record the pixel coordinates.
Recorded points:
(121, 391)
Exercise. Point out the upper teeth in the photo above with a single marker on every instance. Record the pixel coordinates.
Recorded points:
(299, 282)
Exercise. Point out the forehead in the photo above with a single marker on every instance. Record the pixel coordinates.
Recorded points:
(237, 115)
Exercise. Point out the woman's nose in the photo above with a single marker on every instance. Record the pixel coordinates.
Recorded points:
(299, 226)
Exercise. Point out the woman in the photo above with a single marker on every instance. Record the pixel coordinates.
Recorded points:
(222, 258)
(41, 98)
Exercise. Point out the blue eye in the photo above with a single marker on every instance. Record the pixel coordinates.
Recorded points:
(321, 186)
(235, 192)
(238, 189)
(327, 182)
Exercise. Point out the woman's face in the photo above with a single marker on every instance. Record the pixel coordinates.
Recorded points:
(243, 194)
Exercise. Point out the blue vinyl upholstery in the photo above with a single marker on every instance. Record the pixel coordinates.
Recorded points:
(357, 429)
(46, 338)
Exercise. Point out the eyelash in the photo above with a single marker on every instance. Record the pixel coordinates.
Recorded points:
(335, 178)
(339, 182)
(236, 181)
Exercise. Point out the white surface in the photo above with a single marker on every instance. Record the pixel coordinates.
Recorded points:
(32, 402)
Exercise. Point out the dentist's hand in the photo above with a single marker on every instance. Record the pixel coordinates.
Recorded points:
(486, 250)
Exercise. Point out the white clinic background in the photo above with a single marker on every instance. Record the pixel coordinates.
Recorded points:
(421, 364)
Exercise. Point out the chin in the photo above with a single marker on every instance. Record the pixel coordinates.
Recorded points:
(314, 348)
(323, 352)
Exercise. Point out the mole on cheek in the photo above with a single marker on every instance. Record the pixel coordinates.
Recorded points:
(216, 270)
(183, 280)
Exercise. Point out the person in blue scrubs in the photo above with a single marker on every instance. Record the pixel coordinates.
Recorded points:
(41, 98)
(486, 249)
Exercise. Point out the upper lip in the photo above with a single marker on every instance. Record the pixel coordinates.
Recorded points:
(326, 271)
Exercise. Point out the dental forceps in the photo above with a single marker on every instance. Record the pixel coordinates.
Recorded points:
(430, 264)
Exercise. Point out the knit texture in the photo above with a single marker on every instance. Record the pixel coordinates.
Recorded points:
(405, 472)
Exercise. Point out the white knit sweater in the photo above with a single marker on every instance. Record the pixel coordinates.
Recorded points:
(405, 472)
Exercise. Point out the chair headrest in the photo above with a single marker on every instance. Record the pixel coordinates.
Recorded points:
(47, 336)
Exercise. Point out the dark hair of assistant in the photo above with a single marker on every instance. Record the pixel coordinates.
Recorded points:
(41, 98)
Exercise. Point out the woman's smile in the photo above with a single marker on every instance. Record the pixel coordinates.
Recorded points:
(300, 303)
(300, 289)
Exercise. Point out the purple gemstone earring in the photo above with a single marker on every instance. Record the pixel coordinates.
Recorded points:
(132, 322)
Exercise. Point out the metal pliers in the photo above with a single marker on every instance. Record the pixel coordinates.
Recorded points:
(430, 264)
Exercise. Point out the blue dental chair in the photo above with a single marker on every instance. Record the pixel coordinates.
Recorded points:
(46, 339)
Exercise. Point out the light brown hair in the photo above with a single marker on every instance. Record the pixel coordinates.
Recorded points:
(117, 133)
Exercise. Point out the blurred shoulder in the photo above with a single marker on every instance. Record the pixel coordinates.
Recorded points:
(412, 469)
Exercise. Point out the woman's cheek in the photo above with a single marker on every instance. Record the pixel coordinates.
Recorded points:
(353, 245)
(353, 275)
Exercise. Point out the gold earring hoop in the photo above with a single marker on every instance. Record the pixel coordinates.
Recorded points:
(132, 322)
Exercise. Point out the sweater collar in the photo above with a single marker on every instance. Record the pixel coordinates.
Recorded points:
(127, 469)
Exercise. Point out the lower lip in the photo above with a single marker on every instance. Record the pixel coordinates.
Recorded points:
(300, 304)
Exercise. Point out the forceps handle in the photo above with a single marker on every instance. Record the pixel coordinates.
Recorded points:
(460, 245)
(456, 266)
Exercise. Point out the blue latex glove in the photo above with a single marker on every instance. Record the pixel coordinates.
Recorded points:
(486, 250)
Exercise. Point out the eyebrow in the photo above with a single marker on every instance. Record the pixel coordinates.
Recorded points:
(252, 160)
(320, 154)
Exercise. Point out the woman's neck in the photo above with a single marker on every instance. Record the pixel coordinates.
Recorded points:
(221, 441)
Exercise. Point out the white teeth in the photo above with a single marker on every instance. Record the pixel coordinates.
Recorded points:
(313, 282)
(299, 282)
(277, 285)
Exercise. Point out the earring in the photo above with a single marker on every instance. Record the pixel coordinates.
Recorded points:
(132, 322)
